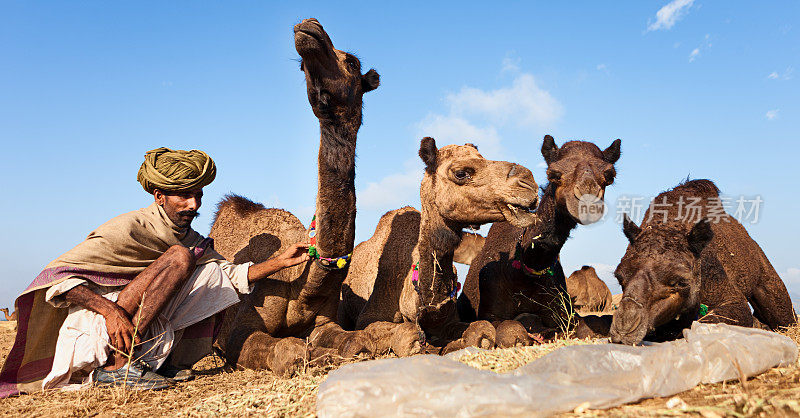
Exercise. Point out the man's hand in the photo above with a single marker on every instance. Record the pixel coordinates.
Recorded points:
(119, 326)
(294, 255)
(121, 331)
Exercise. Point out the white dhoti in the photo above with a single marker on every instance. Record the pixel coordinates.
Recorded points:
(83, 339)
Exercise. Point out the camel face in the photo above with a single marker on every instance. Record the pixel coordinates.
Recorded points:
(467, 189)
(660, 278)
(333, 78)
(581, 173)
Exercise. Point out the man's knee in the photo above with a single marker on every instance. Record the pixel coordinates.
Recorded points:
(181, 258)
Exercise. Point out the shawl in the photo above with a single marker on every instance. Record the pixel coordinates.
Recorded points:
(112, 255)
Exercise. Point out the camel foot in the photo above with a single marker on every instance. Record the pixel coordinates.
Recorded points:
(356, 343)
(512, 334)
(287, 356)
(453, 346)
(406, 340)
(480, 334)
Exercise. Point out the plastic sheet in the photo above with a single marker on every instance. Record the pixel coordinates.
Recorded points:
(597, 376)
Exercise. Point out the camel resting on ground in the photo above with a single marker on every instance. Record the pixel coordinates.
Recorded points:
(683, 264)
(267, 329)
(12, 317)
(587, 292)
(403, 279)
(518, 276)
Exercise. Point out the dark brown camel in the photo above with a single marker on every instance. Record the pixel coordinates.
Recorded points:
(587, 292)
(680, 258)
(301, 302)
(518, 272)
(460, 188)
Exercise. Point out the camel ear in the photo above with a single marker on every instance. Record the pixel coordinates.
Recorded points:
(549, 149)
(428, 152)
(629, 228)
(611, 154)
(700, 235)
(370, 81)
(470, 144)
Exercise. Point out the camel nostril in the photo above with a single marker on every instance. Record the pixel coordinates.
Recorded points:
(513, 171)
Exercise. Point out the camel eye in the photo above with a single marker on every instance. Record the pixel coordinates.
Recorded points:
(609, 175)
(461, 175)
(553, 175)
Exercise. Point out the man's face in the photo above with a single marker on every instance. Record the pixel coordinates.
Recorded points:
(181, 207)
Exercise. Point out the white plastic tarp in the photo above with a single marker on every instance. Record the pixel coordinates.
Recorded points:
(597, 376)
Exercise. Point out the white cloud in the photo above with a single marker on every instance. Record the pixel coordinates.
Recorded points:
(667, 16)
(772, 114)
(792, 275)
(788, 74)
(457, 130)
(511, 64)
(524, 103)
(705, 45)
(393, 191)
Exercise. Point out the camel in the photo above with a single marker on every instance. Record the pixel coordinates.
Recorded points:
(518, 275)
(683, 264)
(402, 280)
(587, 292)
(12, 317)
(470, 246)
(268, 327)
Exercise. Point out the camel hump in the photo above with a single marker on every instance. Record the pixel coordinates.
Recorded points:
(242, 205)
(699, 187)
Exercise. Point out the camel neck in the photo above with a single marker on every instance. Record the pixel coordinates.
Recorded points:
(336, 200)
(542, 243)
(437, 243)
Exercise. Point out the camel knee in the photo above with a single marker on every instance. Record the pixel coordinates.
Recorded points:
(480, 334)
(512, 334)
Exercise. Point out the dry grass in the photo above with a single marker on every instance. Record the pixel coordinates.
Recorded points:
(241, 393)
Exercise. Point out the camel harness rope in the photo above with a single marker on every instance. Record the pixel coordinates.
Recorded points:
(517, 263)
(337, 263)
(415, 281)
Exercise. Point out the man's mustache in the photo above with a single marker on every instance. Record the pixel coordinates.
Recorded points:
(192, 213)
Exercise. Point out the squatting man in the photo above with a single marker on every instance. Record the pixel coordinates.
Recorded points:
(144, 282)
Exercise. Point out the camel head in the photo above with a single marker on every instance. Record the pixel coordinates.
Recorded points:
(660, 278)
(333, 77)
(580, 171)
(466, 189)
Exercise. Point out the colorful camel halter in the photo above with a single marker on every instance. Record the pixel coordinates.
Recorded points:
(517, 263)
(415, 282)
(324, 262)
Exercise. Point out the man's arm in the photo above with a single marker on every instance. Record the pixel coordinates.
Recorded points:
(294, 255)
(119, 326)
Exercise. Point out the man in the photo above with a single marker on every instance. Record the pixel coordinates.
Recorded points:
(141, 293)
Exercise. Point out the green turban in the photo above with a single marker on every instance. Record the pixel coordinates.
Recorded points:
(176, 170)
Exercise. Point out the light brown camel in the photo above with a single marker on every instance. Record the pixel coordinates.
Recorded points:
(470, 246)
(12, 317)
(588, 292)
(300, 302)
(460, 188)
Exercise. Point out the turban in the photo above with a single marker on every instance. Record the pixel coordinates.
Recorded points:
(176, 170)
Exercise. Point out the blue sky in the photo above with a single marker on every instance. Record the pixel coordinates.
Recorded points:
(707, 89)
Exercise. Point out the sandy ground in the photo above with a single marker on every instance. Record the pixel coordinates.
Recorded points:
(219, 393)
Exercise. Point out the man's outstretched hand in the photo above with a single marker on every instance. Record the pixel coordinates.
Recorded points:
(297, 253)
(292, 256)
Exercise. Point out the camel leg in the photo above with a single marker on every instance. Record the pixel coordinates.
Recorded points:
(772, 305)
(511, 333)
(348, 343)
(283, 356)
(404, 339)
(735, 312)
(481, 334)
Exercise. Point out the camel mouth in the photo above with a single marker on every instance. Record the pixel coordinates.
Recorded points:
(519, 215)
(310, 38)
